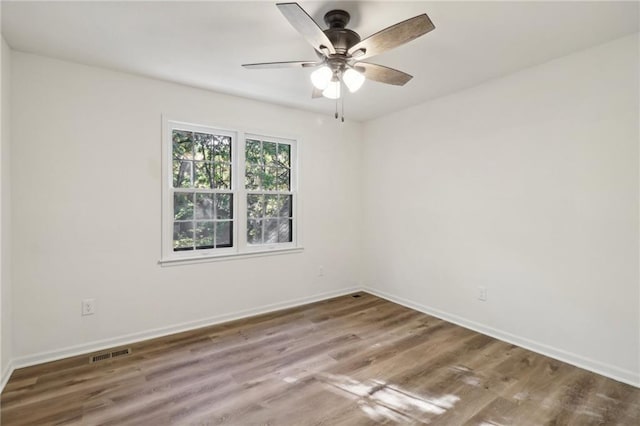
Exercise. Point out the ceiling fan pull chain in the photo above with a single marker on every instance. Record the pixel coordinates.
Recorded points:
(336, 109)
(343, 109)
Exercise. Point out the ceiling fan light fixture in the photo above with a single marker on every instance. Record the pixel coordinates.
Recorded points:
(321, 77)
(333, 89)
(353, 80)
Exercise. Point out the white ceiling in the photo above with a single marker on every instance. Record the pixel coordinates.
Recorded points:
(202, 44)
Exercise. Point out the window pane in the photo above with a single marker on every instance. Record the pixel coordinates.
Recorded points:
(254, 231)
(204, 235)
(253, 176)
(182, 236)
(271, 231)
(283, 182)
(182, 174)
(182, 145)
(203, 144)
(204, 206)
(255, 206)
(182, 206)
(271, 206)
(223, 176)
(284, 230)
(223, 234)
(269, 152)
(253, 152)
(269, 179)
(203, 175)
(284, 205)
(222, 147)
(224, 206)
(284, 155)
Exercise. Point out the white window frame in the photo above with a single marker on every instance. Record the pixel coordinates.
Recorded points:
(240, 246)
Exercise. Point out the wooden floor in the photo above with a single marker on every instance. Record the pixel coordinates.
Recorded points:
(345, 361)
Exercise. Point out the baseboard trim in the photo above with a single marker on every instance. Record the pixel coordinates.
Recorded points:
(6, 375)
(98, 345)
(607, 370)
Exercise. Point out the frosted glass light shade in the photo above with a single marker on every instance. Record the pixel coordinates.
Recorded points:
(353, 79)
(321, 77)
(333, 90)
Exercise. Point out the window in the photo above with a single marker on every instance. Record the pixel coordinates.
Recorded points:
(269, 196)
(226, 193)
(201, 187)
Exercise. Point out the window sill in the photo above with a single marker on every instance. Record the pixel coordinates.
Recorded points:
(227, 256)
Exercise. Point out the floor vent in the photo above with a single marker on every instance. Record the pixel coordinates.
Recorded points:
(100, 357)
(109, 355)
(121, 352)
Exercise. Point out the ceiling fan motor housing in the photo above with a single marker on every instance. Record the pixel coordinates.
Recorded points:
(341, 37)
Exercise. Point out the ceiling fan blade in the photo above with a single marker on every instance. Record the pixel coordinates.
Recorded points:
(316, 93)
(393, 36)
(289, 64)
(383, 74)
(306, 26)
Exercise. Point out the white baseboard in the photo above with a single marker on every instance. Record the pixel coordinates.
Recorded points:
(607, 370)
(128, 339)
(6, 374)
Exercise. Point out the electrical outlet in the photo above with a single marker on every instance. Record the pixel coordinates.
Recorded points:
(88, 306)
(482, 293)
(321, 271)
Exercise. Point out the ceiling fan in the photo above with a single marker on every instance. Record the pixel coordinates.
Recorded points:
(341, 51)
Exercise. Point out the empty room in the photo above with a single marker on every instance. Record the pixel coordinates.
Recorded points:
(323, 212)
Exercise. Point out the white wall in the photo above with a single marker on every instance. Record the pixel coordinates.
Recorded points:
(6, 327)
(527, 185)
(86, 209)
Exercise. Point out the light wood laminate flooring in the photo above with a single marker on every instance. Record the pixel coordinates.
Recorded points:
(345, 361)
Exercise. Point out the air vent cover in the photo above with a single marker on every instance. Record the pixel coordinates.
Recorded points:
(108, 355)
(100, 357)
(120, 352)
